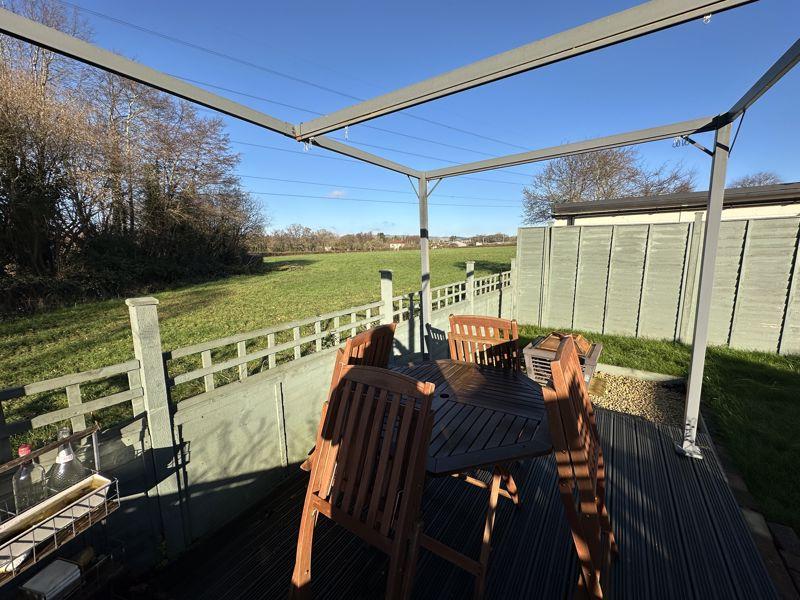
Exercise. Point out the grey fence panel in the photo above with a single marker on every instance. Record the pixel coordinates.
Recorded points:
(764, 284)
(663, 277)
(560, 294)
(530, 252)
(641, 280)
(625, 279)
(592, 278)
(726, 274)
(790, 335)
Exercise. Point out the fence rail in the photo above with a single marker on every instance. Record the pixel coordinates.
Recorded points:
(77, 407)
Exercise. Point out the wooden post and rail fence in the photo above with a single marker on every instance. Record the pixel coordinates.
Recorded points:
(200, 433)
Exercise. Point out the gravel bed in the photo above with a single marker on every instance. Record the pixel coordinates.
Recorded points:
(657, 402)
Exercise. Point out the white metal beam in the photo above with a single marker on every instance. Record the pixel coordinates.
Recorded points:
(336, 146)
(619, 27)
(702, 314)
(613, 141)
(782, 66)
(46, 37)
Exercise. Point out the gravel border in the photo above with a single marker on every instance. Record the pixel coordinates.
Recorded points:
(659, 402)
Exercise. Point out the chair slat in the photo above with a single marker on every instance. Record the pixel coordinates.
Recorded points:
(401, 448)
(484, 340)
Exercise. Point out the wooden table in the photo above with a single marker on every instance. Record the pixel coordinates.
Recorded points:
(484, 417)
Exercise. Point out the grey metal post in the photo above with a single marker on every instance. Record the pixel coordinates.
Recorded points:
(147, 348)
(425, 265)
(470, 287)
(716, 193)
(387, 296)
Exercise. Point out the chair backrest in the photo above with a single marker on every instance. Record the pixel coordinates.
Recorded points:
(579, 458)
(372, 347)
(484, 340)
(372, 443)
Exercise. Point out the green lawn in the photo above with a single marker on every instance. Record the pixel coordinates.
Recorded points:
(97, 334)
(752, 404)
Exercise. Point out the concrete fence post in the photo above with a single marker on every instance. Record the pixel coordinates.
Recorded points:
(387, 297)
(512, 288)
(470, 287)
(147, 348)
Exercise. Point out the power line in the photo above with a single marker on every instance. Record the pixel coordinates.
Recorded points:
(317, 113)
(275, 72)
(337, 199)
(351, 160)
(388, 149)
(368, 189)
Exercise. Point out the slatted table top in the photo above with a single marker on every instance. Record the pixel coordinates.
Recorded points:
(484, 416)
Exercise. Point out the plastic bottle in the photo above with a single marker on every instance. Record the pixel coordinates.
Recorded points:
(28, 482)
(67, 470)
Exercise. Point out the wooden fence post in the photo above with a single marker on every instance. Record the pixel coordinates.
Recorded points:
(147, 348)
(692, 279)
(470, 287)
(544, 290)
(512, 288)
(387, 297)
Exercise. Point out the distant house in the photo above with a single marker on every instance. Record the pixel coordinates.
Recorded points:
(396, 245)
(459, 243)
(782, 200)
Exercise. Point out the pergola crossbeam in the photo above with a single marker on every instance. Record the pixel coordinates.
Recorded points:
(625, 25)
(612, 141)
(782, 66)
(337, 146)
(46, 37)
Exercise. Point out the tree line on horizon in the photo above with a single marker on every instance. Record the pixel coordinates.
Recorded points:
(298, 238)
(107, 187)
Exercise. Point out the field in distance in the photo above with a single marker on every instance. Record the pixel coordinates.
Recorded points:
(96, 334)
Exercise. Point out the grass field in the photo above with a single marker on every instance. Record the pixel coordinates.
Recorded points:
(97, 334)
(752, 401)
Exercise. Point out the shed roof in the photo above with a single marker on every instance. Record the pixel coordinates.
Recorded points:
(767, 195)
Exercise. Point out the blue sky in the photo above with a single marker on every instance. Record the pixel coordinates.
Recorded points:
(367, 48)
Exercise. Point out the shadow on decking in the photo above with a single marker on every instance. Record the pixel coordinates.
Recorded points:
(680, 532)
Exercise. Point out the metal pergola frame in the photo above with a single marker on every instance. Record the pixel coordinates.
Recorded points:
(622, 26)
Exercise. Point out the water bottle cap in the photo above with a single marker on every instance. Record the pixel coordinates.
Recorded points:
(24, 450)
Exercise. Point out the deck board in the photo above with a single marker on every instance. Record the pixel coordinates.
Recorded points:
(680, 533)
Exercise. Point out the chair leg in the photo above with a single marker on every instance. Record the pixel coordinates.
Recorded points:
(396, 584)
(411, 561)
(486, 547)
(301, 577)
(510, 485)
(605, 521)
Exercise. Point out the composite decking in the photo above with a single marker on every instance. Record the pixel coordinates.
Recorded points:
(679, 529)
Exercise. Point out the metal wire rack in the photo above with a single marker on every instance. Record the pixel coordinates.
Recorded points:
(49, 527)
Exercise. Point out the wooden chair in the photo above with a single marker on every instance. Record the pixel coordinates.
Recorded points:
(581, 470)
(368, 471)
(484, 340)
(372, 348)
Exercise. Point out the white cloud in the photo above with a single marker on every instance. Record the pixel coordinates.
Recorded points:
(337, 194)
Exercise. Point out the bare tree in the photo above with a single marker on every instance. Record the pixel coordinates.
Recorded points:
(602, 175)
(105, 180)
(756, 179)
